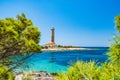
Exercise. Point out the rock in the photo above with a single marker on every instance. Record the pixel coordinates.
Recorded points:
(19, 77)
(34, 76)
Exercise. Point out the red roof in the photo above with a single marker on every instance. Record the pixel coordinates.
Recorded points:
(50, 44)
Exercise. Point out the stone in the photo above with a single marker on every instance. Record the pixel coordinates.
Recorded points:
(42, 75)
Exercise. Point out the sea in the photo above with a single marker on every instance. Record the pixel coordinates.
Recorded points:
(60, 61)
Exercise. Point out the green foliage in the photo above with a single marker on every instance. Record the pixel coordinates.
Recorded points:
(18, 36)
(110, 72)
(20, 33)
(90, 71)
(114, 51)
(81, 68)
(117, 20)
(81, 71)
(59, 46)
(4, 75)
(27, 76)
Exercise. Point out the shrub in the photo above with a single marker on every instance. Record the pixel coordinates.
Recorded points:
(4, 74)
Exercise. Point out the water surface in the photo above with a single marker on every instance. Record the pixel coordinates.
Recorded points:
(55, 62)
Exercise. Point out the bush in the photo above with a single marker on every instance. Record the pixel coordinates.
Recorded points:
(5, 75)
(90, 71)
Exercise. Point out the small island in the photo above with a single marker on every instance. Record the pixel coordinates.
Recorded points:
(62, 49)
(52, 46)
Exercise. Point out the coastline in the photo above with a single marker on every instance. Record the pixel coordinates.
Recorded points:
(63, 49)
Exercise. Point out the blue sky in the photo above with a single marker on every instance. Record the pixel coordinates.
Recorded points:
(76, 22)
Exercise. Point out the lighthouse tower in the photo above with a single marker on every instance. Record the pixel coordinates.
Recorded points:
(52, 43)
(52, 35)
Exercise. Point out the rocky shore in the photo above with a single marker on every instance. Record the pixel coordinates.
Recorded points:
(63, 49)
(42, 75)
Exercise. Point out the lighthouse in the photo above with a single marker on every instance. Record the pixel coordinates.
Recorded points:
(52, 43)
(52, 35)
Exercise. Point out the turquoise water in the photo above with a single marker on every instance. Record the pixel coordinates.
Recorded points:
(55, 62)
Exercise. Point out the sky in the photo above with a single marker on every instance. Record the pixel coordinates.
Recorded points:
(76, 22)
